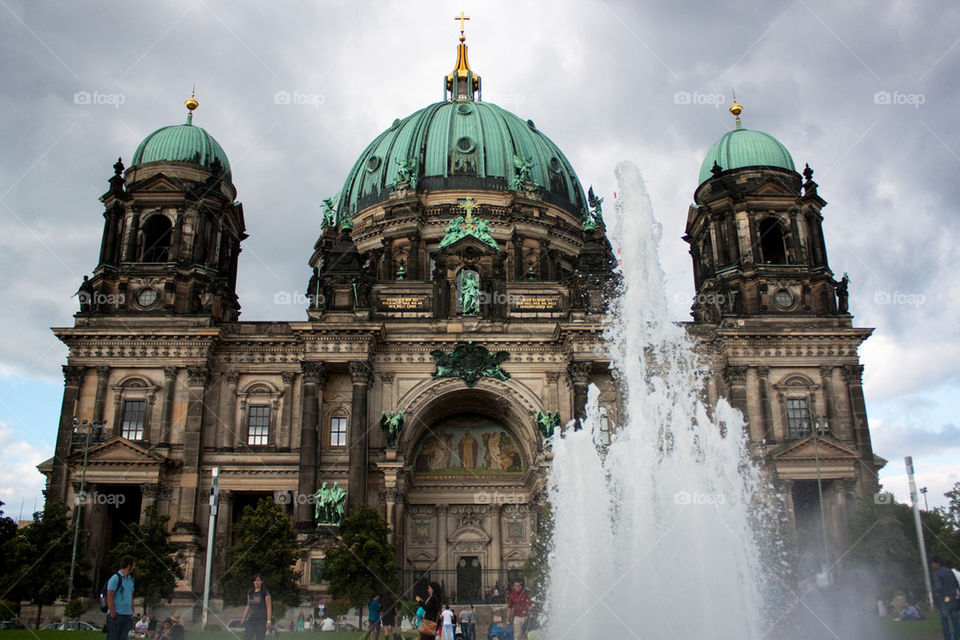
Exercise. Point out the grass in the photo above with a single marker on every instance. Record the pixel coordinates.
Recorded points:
(929, 627)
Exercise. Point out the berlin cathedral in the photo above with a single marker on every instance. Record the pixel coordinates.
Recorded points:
(458, 291)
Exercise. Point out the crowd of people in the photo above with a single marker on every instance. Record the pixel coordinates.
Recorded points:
(434, 616)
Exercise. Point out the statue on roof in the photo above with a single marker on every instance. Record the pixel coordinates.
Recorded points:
(406, 174)
(521, 174)
(594, 216)
(392, 425)
(330, 211)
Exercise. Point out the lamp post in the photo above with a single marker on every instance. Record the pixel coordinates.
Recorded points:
(926, 507)
(87, 429)
(824, 578)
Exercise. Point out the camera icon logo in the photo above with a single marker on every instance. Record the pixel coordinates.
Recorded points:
(884, 497)
(882, 97)
(682, 497)
(282, 497)
(282, 297)
(282, 97)
(881, 297)
(681, 97)
(82, 97)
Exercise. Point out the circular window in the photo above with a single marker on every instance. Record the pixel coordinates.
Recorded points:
(373, 163)
(783, 299)
(465, 145)
(147, 297)
(531, 125)
(554, 165)
(464, 109)
(396, 123)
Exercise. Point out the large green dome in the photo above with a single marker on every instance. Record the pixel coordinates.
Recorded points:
(181, 143)
(460, 145)
(745, 148)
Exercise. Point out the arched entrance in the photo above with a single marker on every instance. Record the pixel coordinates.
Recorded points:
(472, 461)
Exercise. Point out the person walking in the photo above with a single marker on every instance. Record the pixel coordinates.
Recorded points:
(259, 611)
(518, 607)
(388, 617)
(373, 618)
(945, 594)
(449, 621)
(300, 622)
(120, 600)
(468, 622)
(431, 612)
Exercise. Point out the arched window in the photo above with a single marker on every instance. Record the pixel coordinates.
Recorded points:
(773, 242)
(157, 231)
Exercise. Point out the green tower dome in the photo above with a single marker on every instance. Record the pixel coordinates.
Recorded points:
(745, 148)
(182, 143)
(461, 144)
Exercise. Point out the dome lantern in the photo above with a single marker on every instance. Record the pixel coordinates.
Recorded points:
(461, 84)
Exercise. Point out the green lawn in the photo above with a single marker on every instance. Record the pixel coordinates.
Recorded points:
(916, 629)
(26, 634)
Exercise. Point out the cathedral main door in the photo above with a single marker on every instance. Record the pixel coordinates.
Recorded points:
(469, 588)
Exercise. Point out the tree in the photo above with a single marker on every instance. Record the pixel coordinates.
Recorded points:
(39, 558)
(8, 531)
(536, 569)
(361, 562)
(266, 544)
(159, 562)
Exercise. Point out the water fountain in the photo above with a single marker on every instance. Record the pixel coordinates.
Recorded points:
(653, 534)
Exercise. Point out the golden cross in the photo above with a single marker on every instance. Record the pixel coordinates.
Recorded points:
(461, 18)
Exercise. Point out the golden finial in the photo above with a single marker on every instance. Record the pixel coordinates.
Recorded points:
(191, 103)
(736, 109)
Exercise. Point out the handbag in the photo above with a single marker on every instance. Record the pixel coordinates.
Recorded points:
(428, 628)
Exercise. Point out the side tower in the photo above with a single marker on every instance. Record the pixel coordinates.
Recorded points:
(776, 324)
(171, 234)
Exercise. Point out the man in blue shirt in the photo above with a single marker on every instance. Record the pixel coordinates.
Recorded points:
(373, 630)
(946, 591)
(120, 600)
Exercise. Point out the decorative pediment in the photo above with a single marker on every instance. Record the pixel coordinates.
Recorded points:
(826, 448)
(468, 535)
(469, 245)
(825, 459)
(119, 451)
(771, 187)
(160, 183)
(421, 558)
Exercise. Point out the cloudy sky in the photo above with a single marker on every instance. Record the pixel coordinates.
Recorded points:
(866, 92)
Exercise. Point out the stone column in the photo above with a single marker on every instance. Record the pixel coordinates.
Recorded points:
(166, 414)
(228, 413)
(496, 561)
(763, 382)
(149, 493)
(286, 414)
(736, 379)
(443, 562)
(313, 375)
(197, 378)
(837, 429)
(553, 391)
(413, 257)
(103, 377)
(579, 374)
(853, 375)
(222, 532)
(72, 381)
(130, 241)
(517, 242)
(358, 436)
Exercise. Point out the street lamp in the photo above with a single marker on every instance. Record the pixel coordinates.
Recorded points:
(87, 429)
(926, 507)
(820, 424)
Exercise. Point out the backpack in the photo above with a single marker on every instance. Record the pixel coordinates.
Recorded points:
(103, 592)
